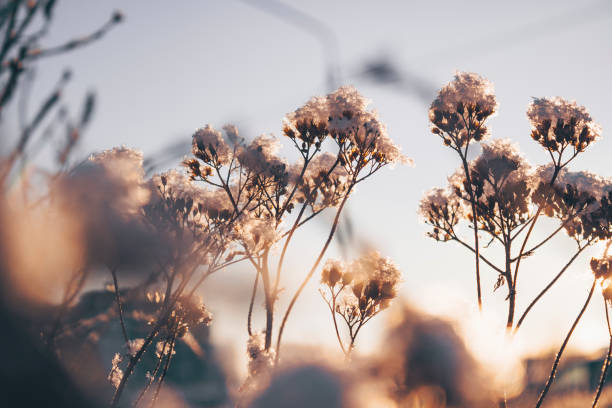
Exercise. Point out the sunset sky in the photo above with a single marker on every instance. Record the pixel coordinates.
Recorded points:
(168, 70)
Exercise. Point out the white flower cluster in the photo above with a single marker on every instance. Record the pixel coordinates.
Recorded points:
(255, 234)
(466, 88)
(343, 114)
(209, 141)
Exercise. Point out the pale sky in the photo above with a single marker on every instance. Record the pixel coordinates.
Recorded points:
(172, 67)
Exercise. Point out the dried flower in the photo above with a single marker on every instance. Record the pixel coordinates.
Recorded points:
(460, 109)
(210, 147)
(558, 123)
(116, 374)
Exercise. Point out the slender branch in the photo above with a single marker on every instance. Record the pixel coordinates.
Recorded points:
(533, 222)
(166, 366)
(606, 364)
(311, 272)
(550, 284)
(113, 272)
(497, 269)
(475, 222)
(253, 293)
(286, 244)
(553, 372)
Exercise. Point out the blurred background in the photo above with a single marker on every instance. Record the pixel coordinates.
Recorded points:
(170, 69)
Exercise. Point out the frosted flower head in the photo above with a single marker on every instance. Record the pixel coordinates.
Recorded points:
(254, 233)
(441, 209)
(209, 146)
(360, 131)
(309, 122)
(118, 173)
(189, 312)
(324, 182)
(261, 363)
(343, 115)
(582, 198)
(261, 156)
(501, 169)
(134, 346)
(501, 184)
(602, 267)
(334, 271)
(460, 109)
(558, 123)
(375, 281)
(116, 373)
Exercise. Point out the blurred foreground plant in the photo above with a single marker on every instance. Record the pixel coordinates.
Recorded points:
(358, 292)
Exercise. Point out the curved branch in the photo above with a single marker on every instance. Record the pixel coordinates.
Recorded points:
(551, 283)
(551, 378)
(311, 272)
(606, 364)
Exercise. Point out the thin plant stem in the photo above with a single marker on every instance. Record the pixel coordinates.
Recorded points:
(606, 364)
(550, 284)
(553, 372)
(253, 293)
(166, 366)
(475, 222)
(119, 305)
(311, 272)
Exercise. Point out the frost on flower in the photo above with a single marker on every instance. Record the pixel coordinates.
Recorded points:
(255, 234)
(371, 280)
(116, 374)
(501, 169)
(441, 209)
(501, 181)
(460, 109)
(112, 179)
(333, 272)
(210, 147)
(581, 199)
(324, 182)
(261, 156)
(343, 115)
(162, 348)
(602, 267)
(378, 275)
(261, 362)
(134, 346)
(309, 122)
(358, 291)
(349, 120)
(558, 123)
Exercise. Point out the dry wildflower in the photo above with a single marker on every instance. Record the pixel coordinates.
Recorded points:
(210, 147)
(581, 199)
(333, 272)
(308, 123)
(134, 346)
(255, 234)
(359, 290)
(602, 267)
(162, 348)
(123, 179)
(442, 209)
(324, 182)
(261, 156)
(462, 106)
(558, 123)
(363, 135)
(116, 374)
(188, 313)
